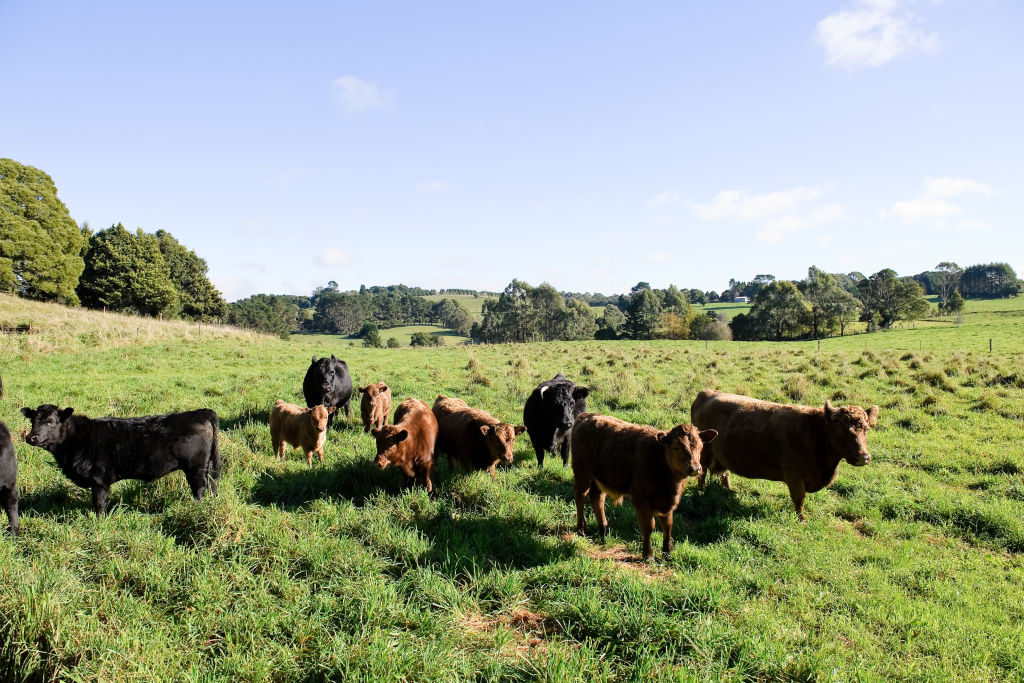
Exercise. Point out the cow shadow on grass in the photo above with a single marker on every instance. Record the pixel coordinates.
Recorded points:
(355, 480)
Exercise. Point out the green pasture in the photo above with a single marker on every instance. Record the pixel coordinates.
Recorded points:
(473, 304)
(908, 569)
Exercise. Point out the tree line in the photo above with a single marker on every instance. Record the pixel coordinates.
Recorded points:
(44, 255)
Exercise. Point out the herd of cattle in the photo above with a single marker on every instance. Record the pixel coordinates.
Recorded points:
(799, 445)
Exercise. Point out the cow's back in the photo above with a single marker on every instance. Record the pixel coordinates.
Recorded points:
(458, 431)
(416, 417)
(608, 450)
(149, 447)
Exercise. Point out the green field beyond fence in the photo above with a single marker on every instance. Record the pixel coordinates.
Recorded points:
(908, 569)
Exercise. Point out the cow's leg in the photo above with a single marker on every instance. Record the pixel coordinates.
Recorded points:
(427, 472)
(645, 516)
(580, 493)
(309, 458)
(539, 448)
(10, 502)
(197, 481)
(320, 452)
(797, 492)
(564, 452)
(726, 480)
(666, 532)
(211, 481)
(100, 496)
(597, 497)
(348, 408)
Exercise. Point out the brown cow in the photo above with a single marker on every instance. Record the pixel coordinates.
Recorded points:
(799, 445)
(616, 458)
(304, 428)
(471, 436)
(375, 405)
(409, 443)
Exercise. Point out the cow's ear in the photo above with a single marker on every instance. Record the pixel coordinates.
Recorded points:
(381, 386)
(580, 392)
(362, 390)
(314, 359)
(375, 433)
(29, 413)
(872, 416)
(708, 435)
(401, 436)
(65, 414)
(520, 429)
(485, 430)
(332, 357)
(542, 390)
(829, 410)
(332, 410)
(663, 437)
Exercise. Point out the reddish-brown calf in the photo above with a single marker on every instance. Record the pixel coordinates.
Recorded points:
(409, 443)
(304, 428)
(800, 445)
(473, 437)
(375, 405)
(615, 458)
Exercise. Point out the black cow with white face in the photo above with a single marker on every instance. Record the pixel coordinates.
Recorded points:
(97, 452)
(328, 383)
(8, 479)
(550, 413)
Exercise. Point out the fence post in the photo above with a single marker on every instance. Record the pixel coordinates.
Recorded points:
(990, 344)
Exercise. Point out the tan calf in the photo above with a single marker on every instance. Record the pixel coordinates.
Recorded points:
(304, 428)
(375, 406)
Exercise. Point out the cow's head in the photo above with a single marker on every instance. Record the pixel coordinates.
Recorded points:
(558, 403)
(848, 431)
(388, 437)
(328, 369)
(318, 417)
(501, 439)
(49, 425)
(372, 391)
(683, 446)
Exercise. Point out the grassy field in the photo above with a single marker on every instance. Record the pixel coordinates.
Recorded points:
(473, 304)
(908, 569)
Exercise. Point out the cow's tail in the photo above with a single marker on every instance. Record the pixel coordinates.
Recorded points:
(213, 468)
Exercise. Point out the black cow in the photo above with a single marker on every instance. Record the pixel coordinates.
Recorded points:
(549, 414)
(8, 479)
(328, 382)
(97, 452)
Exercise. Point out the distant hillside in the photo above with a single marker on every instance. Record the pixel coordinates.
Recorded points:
(30, 327)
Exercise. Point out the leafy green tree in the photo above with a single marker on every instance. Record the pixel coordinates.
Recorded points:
(947, 277)
(372, 338)
(781, 309)
(126, 272)
(831, 305)
(892, 298)
(643, 312)
(421, 339)
(549, 312)
(578, 321)
(271, 313)
(197, 297)
(954, 304)
(393, 343)
(610, 323)
(40, 244)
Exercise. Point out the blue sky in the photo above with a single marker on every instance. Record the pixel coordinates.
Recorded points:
(589, 145)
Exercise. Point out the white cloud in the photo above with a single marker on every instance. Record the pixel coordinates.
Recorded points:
(666, 198)
(934, 203)
(234, 288)
(782, 213)
(659, 258)
(923, 208)
(433, 186)
(972, 226)
(354, 94)
(872, 33)
(951, 187)
(332, 256)
(736, 205)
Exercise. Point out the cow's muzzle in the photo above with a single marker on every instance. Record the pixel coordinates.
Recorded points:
(860, 460)
(382, 461)
(32, 439)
